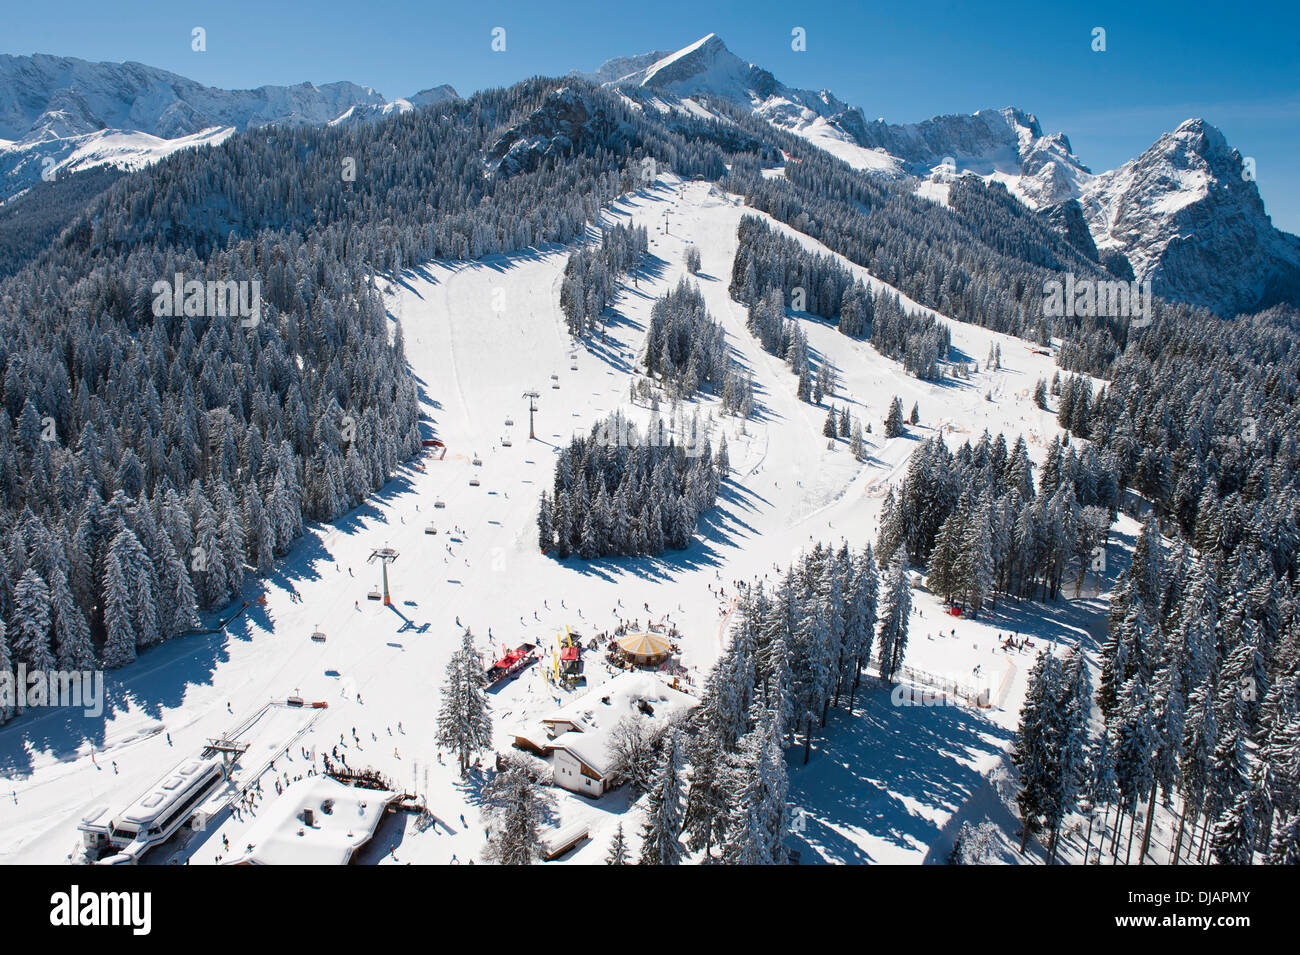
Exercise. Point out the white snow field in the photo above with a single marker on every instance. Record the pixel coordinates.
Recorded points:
(884, 785)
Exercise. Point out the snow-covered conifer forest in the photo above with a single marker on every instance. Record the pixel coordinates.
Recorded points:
(711, 480)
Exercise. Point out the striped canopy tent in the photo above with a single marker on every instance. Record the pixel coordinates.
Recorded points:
(645, 647)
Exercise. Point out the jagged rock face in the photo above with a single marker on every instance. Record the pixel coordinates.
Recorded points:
(74, 114)
(43, 94)
(1066, 217)
(621, 66)
(707, 70)
(1187, 219)
(1181, 214)
(566, 123)
(1005, 145)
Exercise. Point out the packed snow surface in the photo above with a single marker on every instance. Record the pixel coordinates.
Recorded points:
(882, 787)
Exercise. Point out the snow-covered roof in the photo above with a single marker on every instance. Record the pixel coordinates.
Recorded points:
(173, 788)
(631, 693)
(535, 736)
(344, 819)
(592, 749)
(563, 838)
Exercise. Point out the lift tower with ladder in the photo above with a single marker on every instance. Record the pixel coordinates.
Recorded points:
(532, 397)
(387, 555)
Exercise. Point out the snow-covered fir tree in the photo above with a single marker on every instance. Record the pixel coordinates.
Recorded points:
(519, 808)
(464, 724)
(661, 833)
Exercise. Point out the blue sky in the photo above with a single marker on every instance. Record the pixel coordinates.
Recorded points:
(1238, 67)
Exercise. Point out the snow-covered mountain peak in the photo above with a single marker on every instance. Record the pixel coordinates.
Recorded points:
(704, 68)
(1189, 218)
(75, 114)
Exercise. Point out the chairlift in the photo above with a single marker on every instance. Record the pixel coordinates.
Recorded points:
(430, 529)
(374, 595)
(439, 503)
(473, 482)
(318, 635)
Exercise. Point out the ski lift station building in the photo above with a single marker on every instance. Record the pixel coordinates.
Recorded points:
(174, 801)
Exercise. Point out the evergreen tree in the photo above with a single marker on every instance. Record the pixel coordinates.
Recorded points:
(31, 623)
(617, 848)
(464, 725)
(1235, 832)
(519, 808)
(119, 622)
(895, 614)
(545, 528)
(660, 836)
(830, 429)
(894, 420)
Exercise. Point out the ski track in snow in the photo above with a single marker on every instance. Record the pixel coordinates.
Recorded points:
(475, 363)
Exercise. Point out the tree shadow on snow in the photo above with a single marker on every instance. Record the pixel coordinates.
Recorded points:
(878, 772)
(160, 677)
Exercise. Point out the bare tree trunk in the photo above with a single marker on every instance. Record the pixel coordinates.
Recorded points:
(1178, 840)
(1266, 830)
(1114, 842)
(1205, 830)
(1101, 837)
(1146, 830)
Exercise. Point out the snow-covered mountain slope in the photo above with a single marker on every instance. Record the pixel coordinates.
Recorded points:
(1188, 219)
(62, 113)
(368, 112)
(477, 334)
(706, 71)
(1181, 213)
(1003, 145)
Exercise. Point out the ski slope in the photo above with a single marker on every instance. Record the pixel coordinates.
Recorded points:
(478, 335)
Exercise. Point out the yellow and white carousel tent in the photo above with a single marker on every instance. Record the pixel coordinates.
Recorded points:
(645, 647)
